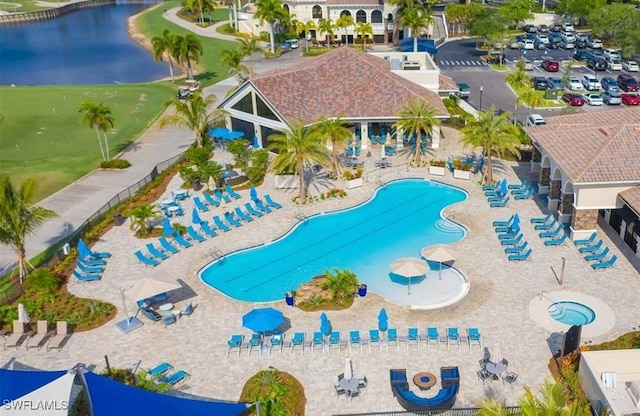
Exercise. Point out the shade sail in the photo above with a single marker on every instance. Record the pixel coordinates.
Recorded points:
(218, 132)
(15, 384)
(232, 135)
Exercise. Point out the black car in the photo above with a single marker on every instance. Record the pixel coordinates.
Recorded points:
(556, 27)
(553, 45)
(539, 83)
(529, 28)
(597, 64)
(581, 55)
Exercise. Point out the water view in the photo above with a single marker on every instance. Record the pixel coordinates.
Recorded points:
(90, 46)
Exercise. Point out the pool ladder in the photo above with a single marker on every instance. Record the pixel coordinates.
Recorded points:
(300, 216)
(216, 253)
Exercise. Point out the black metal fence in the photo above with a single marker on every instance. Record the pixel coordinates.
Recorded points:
(471, 411)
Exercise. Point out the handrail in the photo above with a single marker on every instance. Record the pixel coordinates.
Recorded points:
(216, 253)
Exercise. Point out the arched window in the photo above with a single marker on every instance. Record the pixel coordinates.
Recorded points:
(390, 17)
(376, 16)
(286, 8)
(316, 12)
(361, 16)
(345, 13)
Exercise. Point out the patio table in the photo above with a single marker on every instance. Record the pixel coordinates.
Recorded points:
(424, 380)
(182, 193)
(350, 384)
(496, 368)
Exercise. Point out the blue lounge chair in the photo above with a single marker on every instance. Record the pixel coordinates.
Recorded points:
(231, 192)
(297, 342)
(199, 204)
(354, 340)
(317, 342)
(519, 257)
(168, 246)
(83, 277)
(180, 240)
(514, 186)
(194, 235)
(271, 202)
(547, 225)
(552, 233)
(513, 241)
(491, 187)
(334, 340)
(145, 260)
(433, 337)
(374, 338)
(160, 369)
(525, 195)
(252, 210)
(99, 254)
(509, 235)
(204, 226)
(453, 337)
(597, 256)
(557, 241)
(505, 223)
(210, 200)
(517, 249)
(89, 269)
(586, 241)
(235, 342)
(91, 262)
(151, 315)
(155, 252)
(542, 220)
(605, 264)
(392, 338)
(261, 206)
(508, 228)
(500, 204)
(592, 248)
(242, 215)
(168, 320)
(221, 196)
(229, 217)
(495, 197)
(474, 337)
(276, 342)
(221, 226)
(179, 376)
(413, 337)
(255, 342)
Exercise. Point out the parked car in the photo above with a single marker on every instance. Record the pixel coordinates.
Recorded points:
(581, 55)
(551, 65)
(555, 83)
(568, 37)
(543, 37)
(595, 43)
(611, 98)
(630, 99)
(597, 64)
(574, 84)
(555, 37)
(630, 66)
(567, 27)
(590, 83)
(627, 83)
(528, 65)
(553, 45)
(593, 99)
(557, 27)
(543, 28)
(614, 64)
(584, 37)
(539, 83)
(609, 84)
(183, 93)
(539, 45)
(611, 53)
(574, 100)
(529, 28)
(526, 44)
(535, 120)
(565, 44)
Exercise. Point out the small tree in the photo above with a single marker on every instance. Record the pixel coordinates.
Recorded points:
(259, 166)
(240, 150)
(142, 217)
(342, 284)
(364, 30)
(97, 116)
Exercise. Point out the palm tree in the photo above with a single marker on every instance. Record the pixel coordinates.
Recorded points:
(270, 11)
(364, 30)
(97, 116)
(417, 117)
(335, 131)
(345, 22)
(403, 6)
(247, 48)
(494, 134)
(186, 49)
(233, 59)
(19, 217)
(326, 26)
(416, 19)
(193, 113)
(341, 283)
(141, 217)
(531, 98)
(306, 28)
(161, 45)
(516, 78)
(297, 147)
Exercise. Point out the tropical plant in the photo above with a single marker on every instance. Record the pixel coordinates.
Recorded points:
(342, 284)
(258, 168)
(42, 281)
(517, 78)
(297, 147)
(194, 113)
(335, 131)
(240, 151)
(198, 7)
(247, 48)
(187, 49)
(278, 393)
(270, 11)
(364, 30)
(417, 117)
(161, 45)
(327, 26)
(142, 216)
(345, 21)
(531, 98)
(416, 19)
(19, 217)
(97, 116)
(495, 134)
(305, 28)
(233, 59)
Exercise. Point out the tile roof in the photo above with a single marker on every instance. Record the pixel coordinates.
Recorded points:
(344, 82)
(354, 2)
(632, 197)
(601, 146)
(447, 84)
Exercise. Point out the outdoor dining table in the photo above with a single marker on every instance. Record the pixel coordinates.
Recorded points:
(182, 193)
(173, 209)
(167, 201)
(350, 384)
(496, 368)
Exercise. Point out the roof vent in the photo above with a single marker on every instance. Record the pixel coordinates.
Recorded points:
(606, 131)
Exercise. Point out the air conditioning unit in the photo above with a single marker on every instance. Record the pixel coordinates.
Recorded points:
(411, 65)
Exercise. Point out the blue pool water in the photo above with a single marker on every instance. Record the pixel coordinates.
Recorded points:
(571, 313)
(401, 218)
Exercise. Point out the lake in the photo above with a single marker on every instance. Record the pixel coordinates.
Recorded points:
(89, 46)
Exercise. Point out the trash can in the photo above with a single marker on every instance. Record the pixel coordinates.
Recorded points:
(551, 94)
(289, 299)
(197, 184)
(118, 219)
(362, 291)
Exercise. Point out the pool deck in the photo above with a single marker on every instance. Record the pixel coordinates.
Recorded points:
(498, 304)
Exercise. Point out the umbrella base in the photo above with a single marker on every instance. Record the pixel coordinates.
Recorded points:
(129, 324)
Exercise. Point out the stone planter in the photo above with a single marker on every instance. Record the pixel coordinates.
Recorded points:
(436, 170)
(287, 181)
(353, 183)
(461, 174)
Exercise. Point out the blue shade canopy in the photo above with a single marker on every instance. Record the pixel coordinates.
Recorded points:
(218, 132)
(167, 229)
(195, 217)
(110, 397)
(83, 249)
(263, 319)
(325, 324)
(256, 143)
(15, 383)
(424, 45)
(232, 135)
(383, 323)
(253, 194)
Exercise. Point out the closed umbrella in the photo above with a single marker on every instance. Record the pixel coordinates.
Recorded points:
(23, 316)
(211, 184)
(195, 217)
(409, 267)
(167, 229)
(348, 369)
(383, 320)
(263, 320)
(495, 354)
(325, 324)
(440, 255)
(256, 142)
(253, 194)
(382, 155)
(503, 187)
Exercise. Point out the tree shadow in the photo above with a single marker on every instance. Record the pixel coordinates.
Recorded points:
(206, 76)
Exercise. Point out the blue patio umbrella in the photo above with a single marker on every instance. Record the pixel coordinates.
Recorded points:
(503, 187)
(83, 249)
(383, 320)
(218, 132)
(232, 135)
(256, 143)
(195, 218)
(263, 319)
(253, 194)
(325, 324)
(167, 229)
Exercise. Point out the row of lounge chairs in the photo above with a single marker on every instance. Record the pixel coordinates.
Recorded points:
(551, 230)
(90, 264)
(511, 237)
(496, 194)
(163, 373)
(594, 252)
(37, 339)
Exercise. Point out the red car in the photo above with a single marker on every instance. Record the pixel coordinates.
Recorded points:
(630, 99)
(550, 65)
(575, 100)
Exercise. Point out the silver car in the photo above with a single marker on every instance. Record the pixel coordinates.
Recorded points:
(611, 98)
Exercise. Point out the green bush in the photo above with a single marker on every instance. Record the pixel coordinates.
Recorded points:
(43, 281)
(258, 168)
(115, 164)
(239, 148)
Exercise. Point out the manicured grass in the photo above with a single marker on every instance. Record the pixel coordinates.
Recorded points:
(520, 89)
(40, 130)
(25, 6)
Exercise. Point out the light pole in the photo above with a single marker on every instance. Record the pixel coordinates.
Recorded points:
(481, 90)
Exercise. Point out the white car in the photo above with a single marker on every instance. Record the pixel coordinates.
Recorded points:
(614, 65)
(630, 66)
(595, 44)
(574, 84)
(593, 99)
(526, 44)
(535, 120)
(543, 38)
(567, 27)
(591, 83)
(610, 53)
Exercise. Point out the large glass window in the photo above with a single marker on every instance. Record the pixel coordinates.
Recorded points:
(376, 16)
(316, 12)
(361, 16)
(264, 111)
(245, 105)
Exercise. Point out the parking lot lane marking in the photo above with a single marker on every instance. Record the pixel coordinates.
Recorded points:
(460, 63)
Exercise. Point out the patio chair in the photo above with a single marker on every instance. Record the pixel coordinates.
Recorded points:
(221, 226)
(491, 187)
(252, 210)
(88, 261)
(453, 337)
(16, 337)
(231, 192)
(474, 337)
(557, 241)
(484, 375)
(591, 248)
(334, 341)
(412, 337)
(354, 340)
(187, 310)
(221, 197)
(86, 277)
(516, 249)
(242, 215)
(159, 370)
(392, 338)
(261, 206)
(89, 269)
(513, 241)
(276, 341)
(546, 226)
(500, 204)
(605, 264)
(519, 257)
(297, 342)
(512, 233)
(270, 202)
(235, 342)
(155, 252)
(541, 220)
(374, 338)
(255, 342)
(194, 235)
(179, 376)
(40, 336)
(483, 363)
(229, 218)
(150, 314)
(211, 200)
(509, 377)
(168, 320)
(586, 241)
(204, 226)
(433, 337)
(167, 246)
(597, 256)
(551, 233)
(353, 393)
(362, 382)
(317, 342)
(507, 223)
(200, 205)
(146, 260)
(60, 336)
(339, 391)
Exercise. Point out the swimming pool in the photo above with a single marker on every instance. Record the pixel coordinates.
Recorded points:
(398, 221)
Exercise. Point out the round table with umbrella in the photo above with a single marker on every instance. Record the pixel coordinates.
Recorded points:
(409, 267)
(263, 320)
(439, 254)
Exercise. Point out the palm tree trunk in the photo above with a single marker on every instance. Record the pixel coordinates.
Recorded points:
(22, 262)
(303, 187)
(171, 69)
(189, 70)
(346, 37)
(418, 155)
(415, 43)
(230, 14)
(334, 156)
(489, 171)
(396, 31)
(106, 146)
(272, 38)
(100, 143)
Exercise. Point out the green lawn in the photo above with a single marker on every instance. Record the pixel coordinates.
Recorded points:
(40, 131)
(24, 6)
